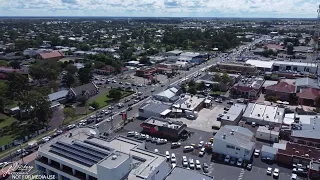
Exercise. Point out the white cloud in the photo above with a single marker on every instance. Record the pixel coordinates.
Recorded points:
(267, 8)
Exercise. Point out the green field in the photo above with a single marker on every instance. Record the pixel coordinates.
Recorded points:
(104, 99)
(9, 136)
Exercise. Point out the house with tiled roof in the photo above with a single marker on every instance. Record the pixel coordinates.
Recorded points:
(283, 90)
(83, 91)
(308, 96)
(48, 57)
(249, 88)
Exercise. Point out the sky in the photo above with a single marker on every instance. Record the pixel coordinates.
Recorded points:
(162, 8)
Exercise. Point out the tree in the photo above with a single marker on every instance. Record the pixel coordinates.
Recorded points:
(38, 108)
(191, 83)
(290, 49)
(4, 100)
(115, 94)
(14, 64)
(225, 78)
(69, 112)
(69, 79)
(145, 60)
(70, 68)
(94, 104)
(18, 85)
(192, 90)
(183, 88)
(3, 63)
(216, 77)
(99, 65)
(85, 75)
(127, 54)
(201, 86)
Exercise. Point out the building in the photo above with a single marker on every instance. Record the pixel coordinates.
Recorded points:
(297, 154)
(263, 114)
(173, 53)
(235, 68)
(314, 170)
(303, 83)
(82, 156)
(299, 67)
(282, 90)
(86, 91)
(168, 95)
(187, 174)
(5, 71)
(164, 128)
(192, 57)
(269, 152)
(233, 115)
(189, 104)
(132, 63)
(263, 66)
(154, 109)
(53, 56)
(306, 134)
(146, 72)
(235, 141)
(105, 70)
(270, 134)
(209, 82)
(308, 96)
(60, 96)
(249, 88)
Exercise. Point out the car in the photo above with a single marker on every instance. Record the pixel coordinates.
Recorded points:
(191, 164)
(276, 172)
(162, 141)
(131, 134)
(188, 148)
(173, 158)
(227, 159)
(230, 102)
(82, 124)
(269, 171)
(185, 161)
(99, 120)
(148, 138)
(129, 108)
(136, 101)
(120, 82)
(162, 85)
(110, 107)
(107, 112)
(167, 155)
(175, 145)
(173, 165)
(153, 140)
(294, 176)
(202, 152)
(198, 165)
(233, 161)
(205, 168)
(201, 143)
(139, 85)
(267, 160)
(142, 137)
(137, 135)
(256, 152)
(239, 162)
(156, 150)
(126, 100)
(139, 93)
(153, 90)
(71, 126)
(249, 167)
(253, 124)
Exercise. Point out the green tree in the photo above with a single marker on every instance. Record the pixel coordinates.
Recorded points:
(225, 78)
(14, 64)
(3, 63)
(18, 85)
(192, 90)
(191, 83)
(115, 94)
(145, 60)
(4, 100)
(70, 68)
(99, 65)
(183, 88)
(201, 86)
(69, 79)
(94, 104)
(85, 75)
(290, 49)
(69, 113)
(216, 77)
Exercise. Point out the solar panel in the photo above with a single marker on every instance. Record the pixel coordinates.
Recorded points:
(98, 145)
(75, 151)
(84, 150)
(72, 157)
(106, 153)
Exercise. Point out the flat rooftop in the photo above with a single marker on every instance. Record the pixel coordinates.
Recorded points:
(234, 112)
(185, 174)
(188, 102)
(264, 112)
(102, 152)
(163, 122)
(294, 149)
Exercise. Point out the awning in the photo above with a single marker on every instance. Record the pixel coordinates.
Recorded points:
(165, 112)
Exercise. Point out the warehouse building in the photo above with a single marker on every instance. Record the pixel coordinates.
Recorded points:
(269, 152)
(83, 156)
(306, 134)
(168, 95)
(154, 109)
(233, 115)
(268, 133)
(235, 141)
(263, 114)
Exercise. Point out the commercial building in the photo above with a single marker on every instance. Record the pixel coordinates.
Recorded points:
(192, 57)
(306, 134)
(249, 88)
(283, 90)
(269, 152)
(235, 141)
(154, 109)
(60, 96)
(168, 95)
(189, 104)
(187, 174)
(173, 53)
(295, 67)
(160, 127)
(81, 155)
(233, 115)
(263, 114)
(270, 133)
(235, 68)
(146, 72)
(263, 66)
(48, 57)
(298, 154)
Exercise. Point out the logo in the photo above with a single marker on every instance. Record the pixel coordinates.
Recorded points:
(21, 171)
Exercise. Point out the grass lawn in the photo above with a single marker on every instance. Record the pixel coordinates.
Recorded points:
(6, 121)
(7, 139)
(104, 100)
(72, 119)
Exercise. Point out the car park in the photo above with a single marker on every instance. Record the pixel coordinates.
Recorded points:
(269, 171)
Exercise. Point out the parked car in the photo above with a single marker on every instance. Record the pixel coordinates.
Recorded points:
(191, 164)
(173, 158)
(175, 145)
(256, 152)
(233, 161)
(227, 159)
(202, 151)
(201, 143)
(198, 165)
(239, 162)
(294, 177)
(205, 168)
(162, 141)
(188, 148)
(185, 161)
(156, 150)
(276, 173)
(167, 155)
(131, 134)
(249, 167)
(269, 171)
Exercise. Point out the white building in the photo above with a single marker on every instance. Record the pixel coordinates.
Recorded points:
(295, 66)
(263, 114)
(81, 156)
(233, 115)
(154, 109)
(168, 95)
(264, 133)
(235, 141)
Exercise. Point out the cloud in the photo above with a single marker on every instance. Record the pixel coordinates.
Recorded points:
(214, 8)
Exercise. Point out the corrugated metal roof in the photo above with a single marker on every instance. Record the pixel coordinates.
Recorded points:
(58, 95)
(155, 107)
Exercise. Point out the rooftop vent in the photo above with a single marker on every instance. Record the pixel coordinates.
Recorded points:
(297, 152)
(114, 157)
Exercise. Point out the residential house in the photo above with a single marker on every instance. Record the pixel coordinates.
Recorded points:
(303, 83)
(308, 96)
(86, 90)
(48, 57)
(249, 88)
(283, 90)
(5, 71)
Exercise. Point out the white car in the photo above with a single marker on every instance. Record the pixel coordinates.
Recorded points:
(276, 172)
(269, 171)
(156, 150)
(131, 134)
(162, 141)
(167, 155)
(201, 143)
(191, 163)
(294, 177)
(202, 152)
(173, 158)
(256, 152)
(227, 159)
(136, 135)
(188, 148)
(239, 162)
(71, 126)
(153, 140)
(198, 165)
(173, 165)
(46, 139)
(142, 136)
(148, 138)
(185, 161)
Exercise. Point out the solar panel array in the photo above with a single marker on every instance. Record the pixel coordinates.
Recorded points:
(79, 152)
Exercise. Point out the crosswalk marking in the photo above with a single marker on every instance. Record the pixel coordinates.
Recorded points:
(241, 174)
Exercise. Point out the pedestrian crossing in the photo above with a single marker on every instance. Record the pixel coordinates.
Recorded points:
(241, 174)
